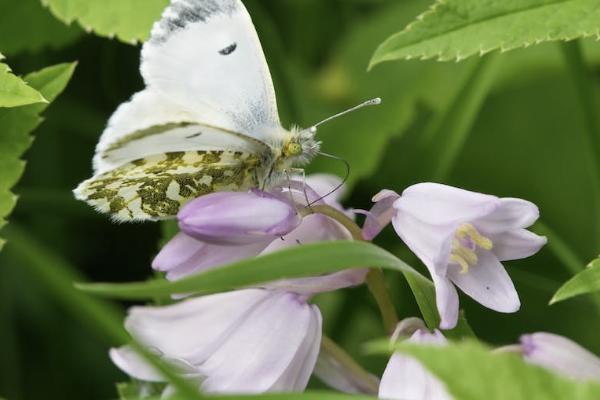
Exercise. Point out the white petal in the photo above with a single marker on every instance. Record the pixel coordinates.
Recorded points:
(323, 184)
(511, 214)
(438, 204)
(487, 283)
(296, 376)
(381, 213)
(405, 378)
(259, 352)
(432, 244)
(133, 365)
(561, 355)
(517, 244)
(184, 256)
(446, 299)
(193, 329)
(338, 376)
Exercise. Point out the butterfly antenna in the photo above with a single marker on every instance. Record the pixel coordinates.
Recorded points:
(372, 102)
(338, 187)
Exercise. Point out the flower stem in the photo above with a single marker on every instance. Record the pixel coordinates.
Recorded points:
(366, 382)
(375, 277)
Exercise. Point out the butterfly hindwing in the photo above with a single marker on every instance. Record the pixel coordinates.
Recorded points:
(155, 187)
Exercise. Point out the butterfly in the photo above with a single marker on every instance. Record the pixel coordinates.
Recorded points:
(207, 120)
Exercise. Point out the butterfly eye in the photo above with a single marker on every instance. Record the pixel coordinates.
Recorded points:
(228, 50)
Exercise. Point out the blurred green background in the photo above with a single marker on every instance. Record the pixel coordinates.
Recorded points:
(526, 139)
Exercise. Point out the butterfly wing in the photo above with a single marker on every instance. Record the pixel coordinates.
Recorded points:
(203, 123)
(155, 187)
(205, 57)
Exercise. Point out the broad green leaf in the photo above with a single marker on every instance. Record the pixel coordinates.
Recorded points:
(128, 20)
(457, 29)
(15, 92)
(585, 282)
(301, 261)
(17, 123)
(471, 371)
(45, 30)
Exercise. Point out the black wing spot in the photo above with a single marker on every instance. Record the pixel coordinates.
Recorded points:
(228, 50)
(193, 135)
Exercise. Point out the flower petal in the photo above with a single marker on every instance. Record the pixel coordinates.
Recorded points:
(321, 284)
(405, 378)
(193, 329)
(233, 218)
(338, 376)
(446, 299)
(561, 355)
(133, 365)
(297, 375)
(261, 350)
(437, 204)
(517, 244)
(511, 214)
(432, 244)
(324, 184)
(381, 213)
(184, 255)
(487, 283)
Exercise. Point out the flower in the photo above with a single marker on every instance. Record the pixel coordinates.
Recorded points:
(461, 237)
(185, 255)
(561, 355)
(238, 218)
(405, 378)
(246, 341)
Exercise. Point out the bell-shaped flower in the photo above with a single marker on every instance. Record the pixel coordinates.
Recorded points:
(462, 237)
(246, 341)
(405, 378)
(185, 255)
(561, 355)
(238, 218)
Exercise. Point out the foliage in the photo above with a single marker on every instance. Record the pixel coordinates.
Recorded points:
(457, 29)
(17, 123)
(519, 124)
(128, 20)
(485, 374)
(585, 282)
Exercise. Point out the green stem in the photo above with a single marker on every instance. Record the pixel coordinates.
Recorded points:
(56, 276)
(585, 84)
(375, 277)
(448, 133)
(357, 374)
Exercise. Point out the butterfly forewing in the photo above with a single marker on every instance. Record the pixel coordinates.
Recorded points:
(155, 187)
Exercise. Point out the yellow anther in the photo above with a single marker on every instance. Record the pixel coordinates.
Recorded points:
(464, 252)
(468, 230)
(464, 265)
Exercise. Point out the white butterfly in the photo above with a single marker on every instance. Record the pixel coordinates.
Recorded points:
(207, 120)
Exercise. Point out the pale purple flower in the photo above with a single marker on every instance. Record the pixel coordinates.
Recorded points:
(461, 237)
(246, 341)
(561, 355)
(405, 378)
(185, 255)
(238, 218)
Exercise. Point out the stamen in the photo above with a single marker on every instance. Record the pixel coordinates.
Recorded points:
(464, 265)
(464, 244)
(468, 230)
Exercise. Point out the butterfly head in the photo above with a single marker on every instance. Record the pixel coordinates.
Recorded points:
(300, 147)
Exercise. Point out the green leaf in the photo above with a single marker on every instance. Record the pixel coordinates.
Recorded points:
(129, 20)
(585, 282)
(471, 371)
(48, 32)
(14, 92)
(17, 123)
(301, 261)
(457, 29)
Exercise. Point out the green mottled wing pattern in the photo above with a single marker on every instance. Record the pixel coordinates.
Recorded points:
(155, 187)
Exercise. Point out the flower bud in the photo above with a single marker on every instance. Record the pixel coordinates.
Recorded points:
(234, 218)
